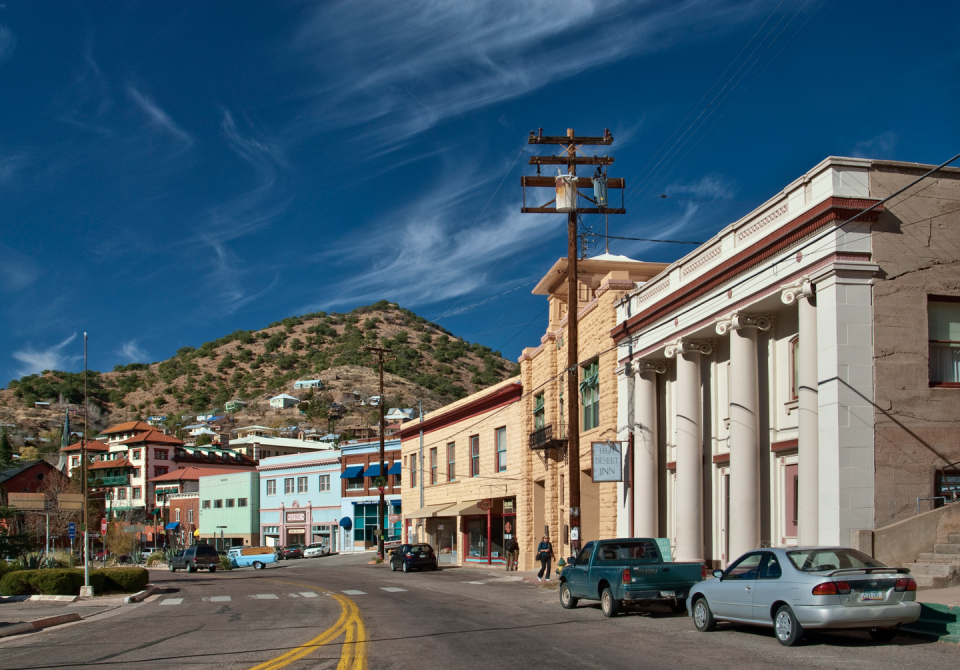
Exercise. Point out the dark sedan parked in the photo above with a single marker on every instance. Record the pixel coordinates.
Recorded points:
(290, 551)
(410, 556)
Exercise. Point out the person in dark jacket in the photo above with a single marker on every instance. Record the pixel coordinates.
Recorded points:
(513, 552)
(545, 556)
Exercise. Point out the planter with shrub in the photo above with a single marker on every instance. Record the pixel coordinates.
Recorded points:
(67, 581)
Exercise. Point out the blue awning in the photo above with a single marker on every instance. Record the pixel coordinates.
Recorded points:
(372, 471)
(173, 525)
(346, 522)
(351, 472)
(395, 468)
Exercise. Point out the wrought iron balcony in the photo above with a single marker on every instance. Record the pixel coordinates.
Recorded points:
(548, 437)
(117, 480)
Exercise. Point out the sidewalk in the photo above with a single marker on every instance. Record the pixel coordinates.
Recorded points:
(17, 612)
(949, 596)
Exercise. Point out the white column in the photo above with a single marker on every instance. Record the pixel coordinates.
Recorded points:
(689, 440)
(645, 516)
(744, 430)
(808, 443)
(624, 422)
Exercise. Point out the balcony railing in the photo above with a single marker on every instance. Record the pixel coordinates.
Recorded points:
(548, 436)
(117, 480)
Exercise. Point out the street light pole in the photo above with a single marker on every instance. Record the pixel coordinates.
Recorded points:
(87, 590)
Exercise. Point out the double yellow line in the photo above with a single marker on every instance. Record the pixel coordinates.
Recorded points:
(350, 624)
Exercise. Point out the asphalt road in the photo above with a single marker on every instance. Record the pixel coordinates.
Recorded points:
(338, 612)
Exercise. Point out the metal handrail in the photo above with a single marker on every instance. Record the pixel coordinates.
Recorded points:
(943, 498)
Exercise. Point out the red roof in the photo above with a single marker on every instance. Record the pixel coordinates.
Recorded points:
(91, 446)
(127, 427)
(105, 465)
(194, 474)
(152, 436)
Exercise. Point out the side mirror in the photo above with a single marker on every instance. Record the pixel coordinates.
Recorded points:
(572, 560)
(718, 574)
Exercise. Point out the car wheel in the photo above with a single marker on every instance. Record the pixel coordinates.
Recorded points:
(703, 617)
(257, 565)
(172, 569)
(788, 630)
(678, 606)
(393, 566)
(567, 601)
(213, 568)
(609, 605)
(191, 567)
(884, 634)
(406, 567)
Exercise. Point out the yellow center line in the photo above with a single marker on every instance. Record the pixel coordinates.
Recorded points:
(349, 624)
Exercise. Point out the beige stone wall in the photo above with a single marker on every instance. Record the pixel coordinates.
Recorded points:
(540, 372)
(917, 245)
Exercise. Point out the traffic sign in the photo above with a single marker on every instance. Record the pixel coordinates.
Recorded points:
(103, 525)
(93, 536)
(394, 518)
(72, 530)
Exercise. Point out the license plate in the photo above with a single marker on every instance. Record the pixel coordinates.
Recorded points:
(668, 594)
(871, 596)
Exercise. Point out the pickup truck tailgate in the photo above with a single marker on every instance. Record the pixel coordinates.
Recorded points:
(661, 581)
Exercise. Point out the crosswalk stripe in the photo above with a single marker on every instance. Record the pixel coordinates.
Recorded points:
(392, 589)
(171, 601)
(355, 593)
(217, 599)
(267, 596)
(308, 594)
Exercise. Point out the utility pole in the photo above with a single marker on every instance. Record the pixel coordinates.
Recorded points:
(568, 202)
(87, 589)
(381, 479)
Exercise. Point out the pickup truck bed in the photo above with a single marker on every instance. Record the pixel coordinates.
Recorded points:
(624, 572)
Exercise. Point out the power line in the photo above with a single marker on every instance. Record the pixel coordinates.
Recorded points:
(500, 348)
(643, 239)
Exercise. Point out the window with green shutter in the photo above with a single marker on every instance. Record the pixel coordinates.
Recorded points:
(590, 395)
(539, 413)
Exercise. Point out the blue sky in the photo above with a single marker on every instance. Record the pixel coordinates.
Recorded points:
(172, 172)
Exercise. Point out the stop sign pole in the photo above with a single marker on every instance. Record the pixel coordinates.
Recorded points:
(103, 534)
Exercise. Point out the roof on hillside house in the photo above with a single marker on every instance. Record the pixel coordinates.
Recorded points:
(107, 465)
(127, 427)
(22, 466)
(153, 436)
(193, 474)
(285, 396)
(92, 445)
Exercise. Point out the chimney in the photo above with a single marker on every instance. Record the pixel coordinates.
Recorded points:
(256, 451)
(224, 440)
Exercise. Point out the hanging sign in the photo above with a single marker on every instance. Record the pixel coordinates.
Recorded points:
(394, 518)
(485, 504)
(607, 459)
(296, 517)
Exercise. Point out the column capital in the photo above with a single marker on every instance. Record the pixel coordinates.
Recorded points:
(800, 288)
(684, 346)
(649, 366)
(738, 320)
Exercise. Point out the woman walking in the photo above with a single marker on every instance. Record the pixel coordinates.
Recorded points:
(544, 555)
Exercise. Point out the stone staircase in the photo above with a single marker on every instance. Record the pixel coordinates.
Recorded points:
(940, 569)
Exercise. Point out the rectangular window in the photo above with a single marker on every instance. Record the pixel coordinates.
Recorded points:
(271, 487)
(159, 471)
(475, 456)
(178, 515)
(75, 462)
(160, 454)
(590, 391)
(501, 449)
(433, 465)
(563, 491)
(301, 484)
(452, 461)
(206, 504)
(136, 454)
(397, 479)
(241, 502)
(413, 470)
(794, 369)
(355, 484)
(136, 472)
(122, 494)
(230, 502)
(324, 482)
(791, 499)
(288, 485)
(217, 504)
(136, 493)
(189, 516)
(943, 321)
(539, 412)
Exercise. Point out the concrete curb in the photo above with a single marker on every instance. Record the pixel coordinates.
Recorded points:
(39, 624)
(140, 596)
(56, 599)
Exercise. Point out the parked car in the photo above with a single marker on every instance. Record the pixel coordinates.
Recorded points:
(195, 558)
(793, 590)
(628, 571)
(258, 557)
(290, 551)
(410, 556)
(316, 549)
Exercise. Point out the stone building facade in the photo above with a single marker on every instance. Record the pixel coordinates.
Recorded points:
(795, 379)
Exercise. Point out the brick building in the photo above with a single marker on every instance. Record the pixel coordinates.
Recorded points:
(360, 497)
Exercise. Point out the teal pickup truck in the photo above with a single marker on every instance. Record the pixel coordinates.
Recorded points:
(627, 572)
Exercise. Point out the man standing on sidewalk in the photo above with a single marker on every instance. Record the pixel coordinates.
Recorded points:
(513, 552)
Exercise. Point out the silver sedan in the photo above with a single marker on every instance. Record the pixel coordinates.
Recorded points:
(316, 549)
(795, 589)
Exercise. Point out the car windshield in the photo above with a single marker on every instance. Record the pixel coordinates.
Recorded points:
(822, 560)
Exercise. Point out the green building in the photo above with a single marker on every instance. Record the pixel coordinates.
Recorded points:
(230, 509)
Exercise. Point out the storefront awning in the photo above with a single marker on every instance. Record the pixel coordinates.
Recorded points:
(173, 525)
(464, 509)
(427, 511)
(351, 472)
(395, 469)
(346, 522)
(372, 471)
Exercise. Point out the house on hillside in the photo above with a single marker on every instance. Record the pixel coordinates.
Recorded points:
(402, 415)
(156, 419)
(234, 405)
(255, 431)
(283, 400)
(308, 384)
(70, 455)
(209, 415)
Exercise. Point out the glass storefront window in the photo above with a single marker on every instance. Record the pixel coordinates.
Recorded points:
(477, 538)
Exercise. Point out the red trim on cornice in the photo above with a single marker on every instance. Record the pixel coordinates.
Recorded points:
(721, 458)
(829, 211)
(786, 445)
(508, 394)
(672, 466)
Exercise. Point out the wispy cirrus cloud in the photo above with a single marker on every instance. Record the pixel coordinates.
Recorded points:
(8, 42)
(157, 116)
(34, 361)
(883, 145)
(17, 270)
(410, 66)
(132, 352)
